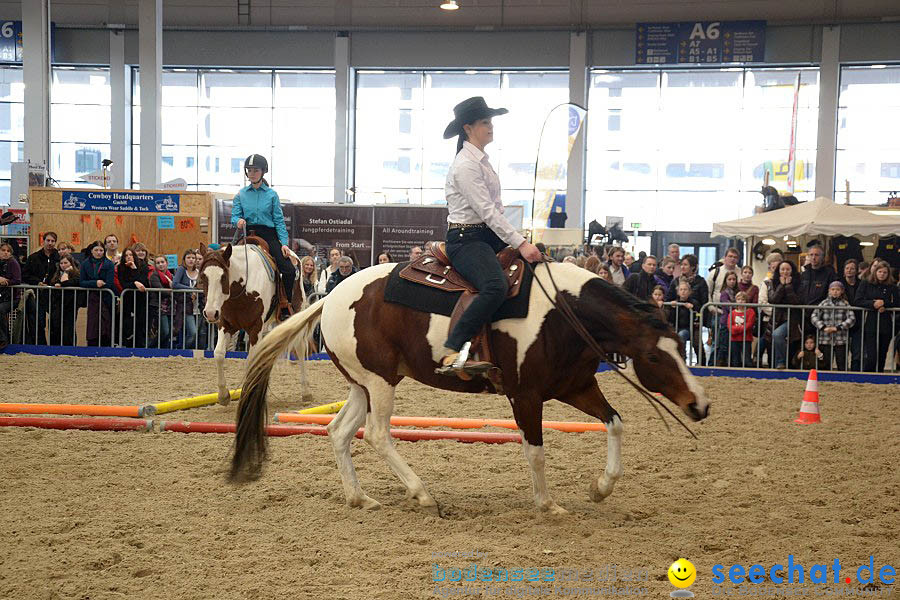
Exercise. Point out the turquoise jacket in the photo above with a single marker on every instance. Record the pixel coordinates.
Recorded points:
(260, 207)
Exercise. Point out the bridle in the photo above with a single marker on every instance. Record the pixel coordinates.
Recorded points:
(568, 314)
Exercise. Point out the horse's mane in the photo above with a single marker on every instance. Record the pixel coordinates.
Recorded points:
(622, 297)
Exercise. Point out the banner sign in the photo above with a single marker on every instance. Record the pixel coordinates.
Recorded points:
(400, 228)
(165, 222)
(346, 227)
(700, 42)
(11, 42)
(131, 202)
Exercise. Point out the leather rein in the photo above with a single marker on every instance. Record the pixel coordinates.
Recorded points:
(569, 316)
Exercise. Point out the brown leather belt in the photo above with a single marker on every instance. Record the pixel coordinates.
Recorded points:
(466, 226)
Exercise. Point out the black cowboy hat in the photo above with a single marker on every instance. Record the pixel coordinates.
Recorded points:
(469, 111)
(8, 217)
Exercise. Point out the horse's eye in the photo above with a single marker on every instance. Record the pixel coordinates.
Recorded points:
(653, 357)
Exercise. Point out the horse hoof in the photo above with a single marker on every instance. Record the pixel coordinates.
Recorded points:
(365, 503)
(595, 493)
(225, 399)
(554, 509)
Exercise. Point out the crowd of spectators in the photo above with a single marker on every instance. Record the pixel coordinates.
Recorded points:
(843, 316)
(762, 329)
(151, 315)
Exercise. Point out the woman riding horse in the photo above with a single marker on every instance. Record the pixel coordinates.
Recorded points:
(476, 230)
(257, 207)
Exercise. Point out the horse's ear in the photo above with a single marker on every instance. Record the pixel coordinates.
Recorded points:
(227, 253)
(203, 250)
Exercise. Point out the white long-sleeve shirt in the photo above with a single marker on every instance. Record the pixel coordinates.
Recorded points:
(473, 194)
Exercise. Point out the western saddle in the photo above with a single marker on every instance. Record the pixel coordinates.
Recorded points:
(433, 269)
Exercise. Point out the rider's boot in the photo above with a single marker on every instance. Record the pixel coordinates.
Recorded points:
(456, 364)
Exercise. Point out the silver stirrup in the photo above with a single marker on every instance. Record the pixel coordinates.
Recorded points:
(463, 356)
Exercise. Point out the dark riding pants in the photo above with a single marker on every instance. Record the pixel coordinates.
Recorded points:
(284, 265)
(473, 253)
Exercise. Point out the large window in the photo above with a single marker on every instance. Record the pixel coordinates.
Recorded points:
(681, 149)
(12, 124)
(401, 155)
(80, 118)
(868, 142)
(213, 119)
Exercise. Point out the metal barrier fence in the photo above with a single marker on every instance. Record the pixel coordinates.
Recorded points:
(48, 315)
(780, 331)
(163, 318)
(173, 319)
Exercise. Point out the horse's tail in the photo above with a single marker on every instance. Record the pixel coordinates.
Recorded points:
(250, 441)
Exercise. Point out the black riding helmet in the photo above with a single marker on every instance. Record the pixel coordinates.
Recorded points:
(256, 161)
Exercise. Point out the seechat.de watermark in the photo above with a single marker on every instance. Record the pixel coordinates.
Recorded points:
(791, 578)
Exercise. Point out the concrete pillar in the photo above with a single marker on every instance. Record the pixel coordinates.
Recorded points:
(150, 62)
(829, 89)
(578, 94)
(36, 76)
(343, 119)
(120, 126)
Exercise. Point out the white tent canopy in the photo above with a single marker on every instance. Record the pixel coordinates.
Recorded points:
(818, 217)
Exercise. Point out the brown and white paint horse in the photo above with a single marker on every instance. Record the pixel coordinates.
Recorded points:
(239, 293)
(376, 344)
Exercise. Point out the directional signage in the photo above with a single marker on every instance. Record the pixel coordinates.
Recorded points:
(11, 42)
(700, 42)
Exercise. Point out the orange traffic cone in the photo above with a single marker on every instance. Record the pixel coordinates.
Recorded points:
(809, 409)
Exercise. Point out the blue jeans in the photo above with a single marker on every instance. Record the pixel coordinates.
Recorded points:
(779, 345)
(188, 335)
(473, 253)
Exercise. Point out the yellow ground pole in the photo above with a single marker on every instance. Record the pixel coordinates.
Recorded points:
(325, 409)
(172, 405)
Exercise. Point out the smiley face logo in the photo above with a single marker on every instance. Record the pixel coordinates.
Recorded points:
(682, 573)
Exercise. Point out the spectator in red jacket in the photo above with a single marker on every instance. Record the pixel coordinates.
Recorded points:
(740, 323)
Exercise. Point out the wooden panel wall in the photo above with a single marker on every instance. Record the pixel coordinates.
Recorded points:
(81, 228)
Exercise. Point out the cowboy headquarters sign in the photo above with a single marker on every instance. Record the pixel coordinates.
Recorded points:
(133, 202)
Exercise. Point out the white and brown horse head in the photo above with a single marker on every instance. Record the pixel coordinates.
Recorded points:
(215, 281)
(624, 324)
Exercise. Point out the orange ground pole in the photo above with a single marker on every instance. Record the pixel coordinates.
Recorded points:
(94, 410)
(452, 422)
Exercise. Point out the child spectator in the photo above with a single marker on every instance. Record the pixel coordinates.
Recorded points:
(664, 275)
(333, 255)
(727, 294)
(384, 257)
(203, 326)
(741, 320)
(657, 299)
(160, 303)
(10, 274)
(810, 357)
(679, 311)
(134, 274)
(745, 284)
(98, 272)
(184, 324)
(834, 320)
(603, 272)
(63, 303)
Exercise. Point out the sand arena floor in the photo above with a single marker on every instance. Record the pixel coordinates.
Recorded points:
(105, 515)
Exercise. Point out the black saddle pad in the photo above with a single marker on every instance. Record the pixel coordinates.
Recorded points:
(435, 301)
